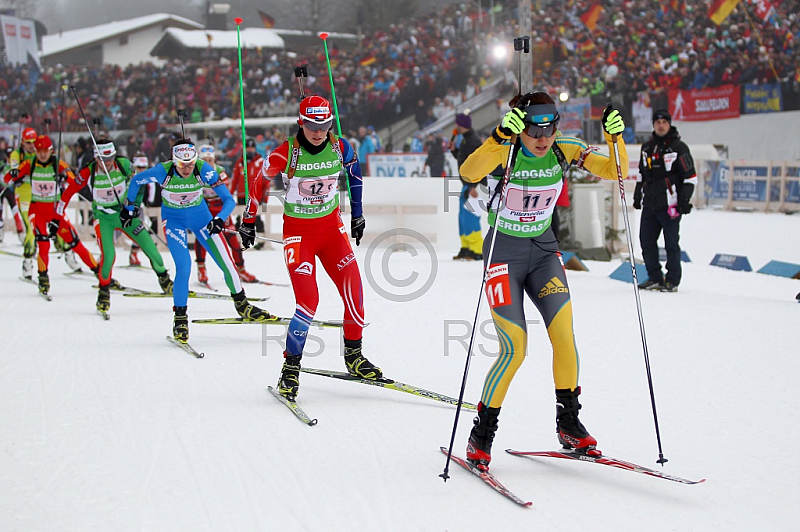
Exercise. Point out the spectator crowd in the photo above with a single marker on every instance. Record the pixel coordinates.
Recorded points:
(429, 65)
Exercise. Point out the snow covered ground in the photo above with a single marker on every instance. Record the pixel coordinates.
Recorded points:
(106, 426)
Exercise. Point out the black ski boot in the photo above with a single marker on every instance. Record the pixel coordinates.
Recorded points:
(165, 282)
(357, 364)
(248, 311)
(289, 383)
(180, 325)
(651, 284)
(479, 447)
(462, 254)
(44, 283)
(571, 432)
(103, 299)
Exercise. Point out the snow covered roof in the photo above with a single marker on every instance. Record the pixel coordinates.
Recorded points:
(70, 40)
(251, 38)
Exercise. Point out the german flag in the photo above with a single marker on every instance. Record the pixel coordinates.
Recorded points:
(367, 60)
(720, 9)
(590, 16)
(266, 20)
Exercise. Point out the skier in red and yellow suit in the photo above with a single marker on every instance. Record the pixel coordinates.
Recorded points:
(46, 174)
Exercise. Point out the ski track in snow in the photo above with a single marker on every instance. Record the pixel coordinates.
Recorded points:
(105, 425)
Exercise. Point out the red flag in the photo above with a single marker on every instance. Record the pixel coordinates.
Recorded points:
(266, 20)
(720, 9)
(591, 15)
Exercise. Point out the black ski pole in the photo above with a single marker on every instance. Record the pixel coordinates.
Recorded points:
(94, 141)
(61, 119)
(513, 149)
(661, 460)
(23, 116)
(181, 115)
(301, 72)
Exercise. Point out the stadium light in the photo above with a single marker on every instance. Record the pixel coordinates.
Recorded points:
(564, 96)
(500, 52)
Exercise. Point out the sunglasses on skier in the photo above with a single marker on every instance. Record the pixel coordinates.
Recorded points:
(541, 119)
(313, 126)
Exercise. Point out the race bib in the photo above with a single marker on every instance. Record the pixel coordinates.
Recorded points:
(498, 287)
(310, 187)
(522, 200)
(181, 199)
(109, 196)
(44, 189)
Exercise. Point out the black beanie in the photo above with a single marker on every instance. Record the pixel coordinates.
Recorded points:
(662, 113)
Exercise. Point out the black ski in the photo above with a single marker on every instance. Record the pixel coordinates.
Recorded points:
(186, 347)
(603, 460)
(390, 384)
(294, 407)
(488, 478)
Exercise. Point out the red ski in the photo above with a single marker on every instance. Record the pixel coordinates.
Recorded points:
(488, 478)
(603, 460)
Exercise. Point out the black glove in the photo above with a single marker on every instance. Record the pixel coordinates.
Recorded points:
(126, 216)
(61, 178)
(637, 202)
(52, 227)
(13, 173)
(684, 207)
(215, 225)
(357, 226)
(247, 232)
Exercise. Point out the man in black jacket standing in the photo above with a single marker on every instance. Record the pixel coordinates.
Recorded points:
(663, 192)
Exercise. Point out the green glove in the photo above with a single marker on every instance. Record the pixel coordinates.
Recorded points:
(512, 122)
(612, 121)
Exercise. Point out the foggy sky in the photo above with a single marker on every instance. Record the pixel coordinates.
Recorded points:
(67, 15)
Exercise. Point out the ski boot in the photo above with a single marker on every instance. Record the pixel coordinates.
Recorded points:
(103, 299)
(202, 274)
(479, 446)
(72, 261)
(357, 364)
(669, 287)
(248, 311)
(44, 283)
(133, 258)
(462, 254)
(289, 383)
(180, 325)
(571, 432)
(651, 284)
(165, 282)
(246, 276)
(27, 268)
(113, 284)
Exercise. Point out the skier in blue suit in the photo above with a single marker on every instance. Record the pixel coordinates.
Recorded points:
(183, 208)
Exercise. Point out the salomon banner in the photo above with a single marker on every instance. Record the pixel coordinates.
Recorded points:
(705, 104)
(763, 98)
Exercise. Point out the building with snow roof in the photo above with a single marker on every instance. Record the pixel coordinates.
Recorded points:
(121, 42)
